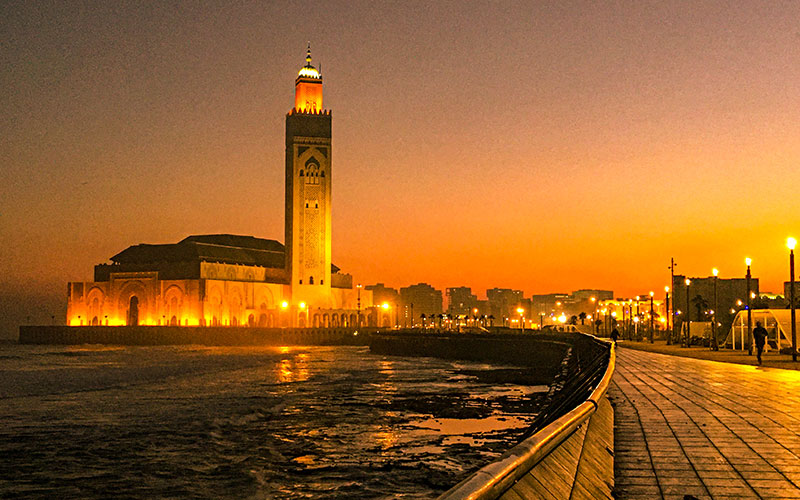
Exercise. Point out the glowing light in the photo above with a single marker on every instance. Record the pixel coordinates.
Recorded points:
(309, 72)
(301, 305)
(666, 289)
(752, 295)
(284, 305)
(593, 299)
(688, 282)
(520, 310)
(715, 271)
(739, 302)
(562, 318)
(636, 319)
(652, 294)
(385, 305)
(748, 261)
(791, 243)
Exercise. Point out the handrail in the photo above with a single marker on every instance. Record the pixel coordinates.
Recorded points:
(490, 482)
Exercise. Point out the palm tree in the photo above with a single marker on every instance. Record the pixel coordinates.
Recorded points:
(700, 304)
(491, 320)
(582, 317)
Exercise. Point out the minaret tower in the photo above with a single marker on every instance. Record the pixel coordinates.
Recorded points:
(308, 191)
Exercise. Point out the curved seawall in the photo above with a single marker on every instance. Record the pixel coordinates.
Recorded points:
(569, 452)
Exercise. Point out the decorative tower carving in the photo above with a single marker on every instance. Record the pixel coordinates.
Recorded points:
(308, 190)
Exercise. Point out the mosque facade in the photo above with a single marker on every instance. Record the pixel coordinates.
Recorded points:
(233, 280)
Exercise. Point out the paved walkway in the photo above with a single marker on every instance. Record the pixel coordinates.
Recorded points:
(771, 358)
(703, 428)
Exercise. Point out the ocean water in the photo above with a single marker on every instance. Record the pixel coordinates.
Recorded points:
(214, 422)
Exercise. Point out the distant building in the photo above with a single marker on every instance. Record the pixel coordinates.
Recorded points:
(383, 294)
(548, 306)
(416, 300)
(503, 304)
(232, 280)
(731, 296)
(587, 295)
(461, 301)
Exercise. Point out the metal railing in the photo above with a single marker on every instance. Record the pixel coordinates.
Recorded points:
(493, 480)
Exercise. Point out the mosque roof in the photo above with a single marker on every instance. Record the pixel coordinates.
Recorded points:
(225, 248)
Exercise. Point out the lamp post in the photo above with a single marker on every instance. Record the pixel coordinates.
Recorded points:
(748, 261)
(652, 325)
(688, 311)
(358, 287)
(672, 284)
(791, 243)
(668, 325)
(714, 344)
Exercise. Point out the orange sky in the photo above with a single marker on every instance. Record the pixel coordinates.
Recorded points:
(533, 145)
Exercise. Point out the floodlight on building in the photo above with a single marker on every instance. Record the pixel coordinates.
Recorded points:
(385, 305)
(284, 305)
(302, 305)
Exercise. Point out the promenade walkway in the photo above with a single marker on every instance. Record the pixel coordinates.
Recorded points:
(703, 428)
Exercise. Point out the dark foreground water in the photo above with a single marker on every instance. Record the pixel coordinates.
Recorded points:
(297, 422)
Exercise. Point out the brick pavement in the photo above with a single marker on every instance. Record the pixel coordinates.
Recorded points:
(703, 428)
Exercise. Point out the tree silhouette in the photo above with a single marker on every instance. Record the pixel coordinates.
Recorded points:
(582, 317)
(701, 305)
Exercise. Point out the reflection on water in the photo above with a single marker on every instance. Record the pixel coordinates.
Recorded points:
(225, 422)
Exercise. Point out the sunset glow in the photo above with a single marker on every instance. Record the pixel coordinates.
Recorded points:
(553, 147)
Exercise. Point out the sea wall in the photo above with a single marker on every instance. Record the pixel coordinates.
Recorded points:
(569, 452)
(545, 352)
(189, 335)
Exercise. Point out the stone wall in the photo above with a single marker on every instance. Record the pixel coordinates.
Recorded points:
(176, 335)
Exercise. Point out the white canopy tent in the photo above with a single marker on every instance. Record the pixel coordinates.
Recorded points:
(777, 322)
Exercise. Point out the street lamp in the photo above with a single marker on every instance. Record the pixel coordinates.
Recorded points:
(521, 311)
(688, 311)
(666, 310)
(749, 261)
(652, 325)
(791, 243)
(714, 344)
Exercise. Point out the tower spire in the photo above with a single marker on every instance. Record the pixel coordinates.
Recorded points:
(308, 87)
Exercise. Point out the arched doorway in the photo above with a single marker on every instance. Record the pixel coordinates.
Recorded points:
(133, 311)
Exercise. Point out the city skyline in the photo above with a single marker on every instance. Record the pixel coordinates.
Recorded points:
(552, 148)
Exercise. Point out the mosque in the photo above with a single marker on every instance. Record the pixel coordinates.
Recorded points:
(231, 280)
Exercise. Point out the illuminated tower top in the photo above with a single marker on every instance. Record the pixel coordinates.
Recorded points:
(308, 88)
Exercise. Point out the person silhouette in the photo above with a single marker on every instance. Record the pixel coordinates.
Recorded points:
(760, 336)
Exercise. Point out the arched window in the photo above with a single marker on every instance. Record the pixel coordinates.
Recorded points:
(311, 280)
